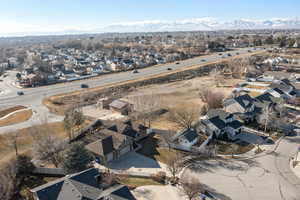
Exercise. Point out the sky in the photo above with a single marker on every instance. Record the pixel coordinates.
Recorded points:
(55, 15)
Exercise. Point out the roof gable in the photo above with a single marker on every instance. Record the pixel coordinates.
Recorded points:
(107, 144)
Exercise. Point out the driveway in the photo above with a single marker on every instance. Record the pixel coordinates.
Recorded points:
(250, 138)
(136, 162)
(153, 192)
(267, 176)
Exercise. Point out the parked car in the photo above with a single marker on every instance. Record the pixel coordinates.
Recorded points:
(237, 53)
(249, 51)
(169, 68)
(220, 54)
(203, 60)
(177, 63)
(20, 93)
(135, 71)
(84, 86)
(229, 54)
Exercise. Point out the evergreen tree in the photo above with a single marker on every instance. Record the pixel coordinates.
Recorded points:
(77, 158)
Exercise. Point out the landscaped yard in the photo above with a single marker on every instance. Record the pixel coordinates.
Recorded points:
(17, 117)
(10, 110)
(137, 181)
(151, 149)
(227, 148)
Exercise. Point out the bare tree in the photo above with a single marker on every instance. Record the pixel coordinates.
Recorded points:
(108, 179)
(12, 175)
(168, 138)
(239, 66)
(73, 117)
(47, 146)
(191, 186)
(217, 75)
(174, 164)
(146, 107)
(11, 141)
(213, 99)
(184, 116)
(268, 117)
(8, 181)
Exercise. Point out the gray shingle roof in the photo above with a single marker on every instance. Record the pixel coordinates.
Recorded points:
(190, 134)
(244, 100)
(81, 186)
(223, 115)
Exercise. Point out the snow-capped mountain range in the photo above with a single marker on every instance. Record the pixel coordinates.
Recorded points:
(196, 24)
(204, 24)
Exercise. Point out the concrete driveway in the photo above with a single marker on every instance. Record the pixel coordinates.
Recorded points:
(136, 162)
(267, 176)
(154, 192)
(250, 138)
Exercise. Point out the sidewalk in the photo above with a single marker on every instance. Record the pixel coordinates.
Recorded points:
(267, 149)
(135, 164)
(296, 161)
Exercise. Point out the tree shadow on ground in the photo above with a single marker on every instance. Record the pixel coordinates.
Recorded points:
(292, 139)
(221, 163)
(215, 193)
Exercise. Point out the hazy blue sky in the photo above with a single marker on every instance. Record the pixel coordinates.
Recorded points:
(44, 15)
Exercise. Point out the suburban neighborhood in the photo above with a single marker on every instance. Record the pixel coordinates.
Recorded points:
(96, 108)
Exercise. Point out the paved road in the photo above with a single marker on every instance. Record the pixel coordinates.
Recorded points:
(267, 176)
(33, 96)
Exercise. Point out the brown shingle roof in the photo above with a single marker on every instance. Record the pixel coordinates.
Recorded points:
(118, 104)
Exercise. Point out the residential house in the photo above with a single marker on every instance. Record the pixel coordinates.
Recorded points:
(104, 102)
(107, 145)
(221, 124)
(283, 89)
(85, 185)
(187, 137)
(130, 129)
(265, 102)
(243, 106)
(120, 106)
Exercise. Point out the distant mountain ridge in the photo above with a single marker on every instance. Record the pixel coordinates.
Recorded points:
(202, 24)
(195, 24)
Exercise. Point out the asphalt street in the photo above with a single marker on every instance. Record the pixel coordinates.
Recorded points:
(33, 96)
(262, 177)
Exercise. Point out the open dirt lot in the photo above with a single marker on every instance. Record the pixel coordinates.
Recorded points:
(98, 113)
(181, 93)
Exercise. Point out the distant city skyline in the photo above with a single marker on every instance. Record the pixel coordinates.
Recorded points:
(18, 17)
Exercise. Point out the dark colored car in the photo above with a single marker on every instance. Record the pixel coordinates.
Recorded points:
(237, 53)
(220, 54)
(84, 86)
(203, 60)
(229, 54)
(169, 68)
(20, 93)
(249, 51)
(177, 63)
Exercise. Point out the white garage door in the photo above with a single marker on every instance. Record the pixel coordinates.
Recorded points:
(125, 150)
